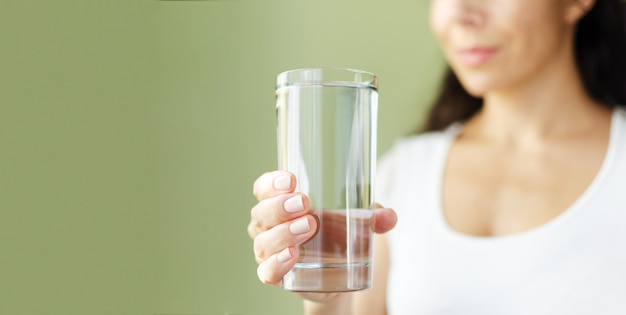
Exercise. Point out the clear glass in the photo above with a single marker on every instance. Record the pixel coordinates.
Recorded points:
(327, 137)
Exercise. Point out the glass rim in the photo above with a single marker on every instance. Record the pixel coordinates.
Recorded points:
(327, 76)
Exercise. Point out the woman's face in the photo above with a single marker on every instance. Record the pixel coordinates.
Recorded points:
(500, 44)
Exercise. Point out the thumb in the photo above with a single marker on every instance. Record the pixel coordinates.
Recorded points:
(384, 219)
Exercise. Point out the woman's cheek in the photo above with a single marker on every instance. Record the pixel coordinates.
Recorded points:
(440, 17)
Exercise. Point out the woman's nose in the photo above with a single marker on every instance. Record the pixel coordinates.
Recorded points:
(470, 13)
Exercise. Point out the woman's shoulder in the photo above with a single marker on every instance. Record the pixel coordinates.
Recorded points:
(416, 153)
(410, 156)
(620, 112)
(422, 145)
(422, 140)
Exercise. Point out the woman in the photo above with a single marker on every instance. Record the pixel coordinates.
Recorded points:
(513, 202)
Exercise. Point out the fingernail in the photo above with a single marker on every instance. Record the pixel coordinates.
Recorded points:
(300, 226)
(284, 255)
(282, 182)
(294, 204)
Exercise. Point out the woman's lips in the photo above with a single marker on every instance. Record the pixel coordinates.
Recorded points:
(476, 56)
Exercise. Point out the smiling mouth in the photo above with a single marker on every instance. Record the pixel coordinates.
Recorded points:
(476, 56)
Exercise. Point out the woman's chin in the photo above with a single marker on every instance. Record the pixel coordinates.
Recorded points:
(475, 90)
(478, 86)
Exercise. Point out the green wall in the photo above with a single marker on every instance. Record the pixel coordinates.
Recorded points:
(131, 133)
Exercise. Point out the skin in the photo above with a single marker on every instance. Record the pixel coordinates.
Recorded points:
(539, 131)
(269, 228)
(534, 148)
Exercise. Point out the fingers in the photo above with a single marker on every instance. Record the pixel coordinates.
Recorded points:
(275, 248)
(384, 220)
(272, 270)
(284, 235)
(273, 183)
(278, 223)
(273, 211)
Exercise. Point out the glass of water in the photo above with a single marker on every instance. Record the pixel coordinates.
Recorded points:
(327, 138)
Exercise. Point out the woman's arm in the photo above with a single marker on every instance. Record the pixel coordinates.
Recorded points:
(340, 305)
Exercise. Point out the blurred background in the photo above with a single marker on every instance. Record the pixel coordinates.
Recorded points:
(131, 133)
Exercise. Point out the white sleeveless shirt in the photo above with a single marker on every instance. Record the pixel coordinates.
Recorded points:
(574, 264)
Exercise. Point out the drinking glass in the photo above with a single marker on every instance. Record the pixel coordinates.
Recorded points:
(327, 138)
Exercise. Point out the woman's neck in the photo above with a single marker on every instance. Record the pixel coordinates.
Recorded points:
(553, 103)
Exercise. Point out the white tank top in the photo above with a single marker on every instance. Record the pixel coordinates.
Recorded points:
(574, 264)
